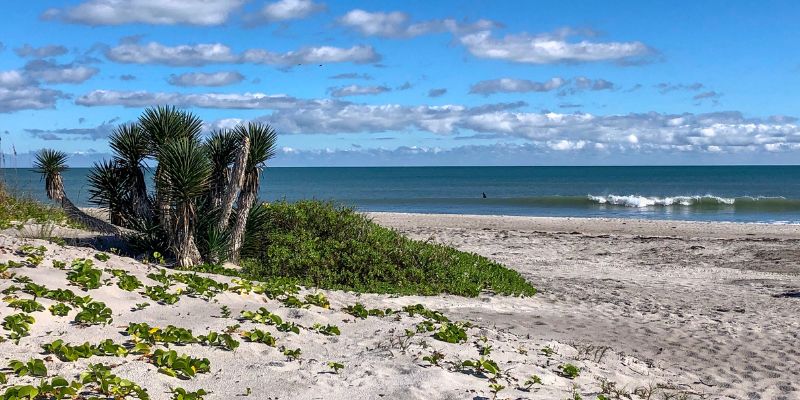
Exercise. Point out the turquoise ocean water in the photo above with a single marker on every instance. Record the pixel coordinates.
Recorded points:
(768, 194)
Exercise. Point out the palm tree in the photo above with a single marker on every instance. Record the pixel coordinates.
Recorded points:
(51, 163)
(204, 192)
(262, 140)
(184, 178)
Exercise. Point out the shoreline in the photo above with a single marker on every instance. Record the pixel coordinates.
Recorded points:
(594, 226)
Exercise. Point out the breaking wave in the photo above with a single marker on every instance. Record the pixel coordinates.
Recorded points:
(705, 201)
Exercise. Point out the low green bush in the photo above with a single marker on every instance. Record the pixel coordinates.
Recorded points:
(335, 247)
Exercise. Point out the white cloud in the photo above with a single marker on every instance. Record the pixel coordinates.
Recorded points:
(666, 87)
(398, 24)
(313, 55)
(206, 79)
(155, 12)
(40, 52)
(728, 131)
(551, 48)
(181, 55)
(357, 90)
(17, 93)
(12, 79)
(352, 75)
(509, 85)
(51, 72)
(216, 53)
(284, 10)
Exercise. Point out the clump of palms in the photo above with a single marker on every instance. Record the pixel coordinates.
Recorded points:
(203, 194)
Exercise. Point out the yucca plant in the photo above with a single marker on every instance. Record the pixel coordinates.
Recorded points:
(201, 203)
(51, 163)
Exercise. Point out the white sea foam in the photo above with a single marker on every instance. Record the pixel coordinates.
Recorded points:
(642, 201)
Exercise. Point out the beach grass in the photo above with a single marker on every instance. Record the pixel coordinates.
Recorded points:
(18, 209)
(334, 247)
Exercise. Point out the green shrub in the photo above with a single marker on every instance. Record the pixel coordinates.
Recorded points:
(19, 209)
(327, 246)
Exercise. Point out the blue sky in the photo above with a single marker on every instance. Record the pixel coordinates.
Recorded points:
(413, 82)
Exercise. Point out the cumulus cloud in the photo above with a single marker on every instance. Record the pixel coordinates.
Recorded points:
(552, 48)
(132, 52)
(18, 92)
(205, 79)
(285, 10)
(101, 131)
(52, 72)
(437, 92)
(28, 51)
(728, 131)
(140, 99)
(357, 90)
(359, 54)
(711, 95)
(509, 85)
(155, 12)
(352, 75)
(582, 83)
(399, 25)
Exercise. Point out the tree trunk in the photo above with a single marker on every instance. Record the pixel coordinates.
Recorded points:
(235, 185)
(93, 223)
(245, 203)
(185, 247)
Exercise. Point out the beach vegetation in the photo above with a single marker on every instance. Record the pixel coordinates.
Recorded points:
(19, 326)
(291, 354)
(434, 358)
(259, 336)
(482, 366)
(569, 371)
(328, 330)
(84, 275)
(93, 313)
(335, 366)
(112, 385)
(531, 381)
(182, 366)
(60, 309)
(334, 247)
(451, 333)
(34, 367)
(18, 209)
(26, 305)
(183, 394)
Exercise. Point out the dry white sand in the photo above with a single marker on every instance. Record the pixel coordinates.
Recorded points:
(719, 302)
(694, 315)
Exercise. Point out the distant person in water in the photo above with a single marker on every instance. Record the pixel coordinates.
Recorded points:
(484, 195)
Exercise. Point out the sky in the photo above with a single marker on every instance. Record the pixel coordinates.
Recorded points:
(406, 83)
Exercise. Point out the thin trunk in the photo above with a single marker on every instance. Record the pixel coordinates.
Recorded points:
(236, 181)
(245, 203)
(141, 202)
(95, 224)
(185, 247)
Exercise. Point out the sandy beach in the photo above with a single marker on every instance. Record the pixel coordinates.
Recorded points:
(656, 309)
(717, 301)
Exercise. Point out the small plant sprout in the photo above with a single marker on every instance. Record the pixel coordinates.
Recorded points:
(291, 354)
(335, 366)
(59, 264)
(225, 312)
(328, 330)
(482, 366)
(159, 258)
(102, 257)
(318, 299)
(495, 388)
(532, 380)
(140, 306)
(434, 358)
(569, 371)
(451, 333)
(182, 394)
(548, 351)
(259, 336)
(180, 366)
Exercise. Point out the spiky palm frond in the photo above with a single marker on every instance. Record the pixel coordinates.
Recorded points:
(263, 140)
(131, 146)
(51, 163)
(182, 177)
(163, 124)
(184, 170)
(110, 189)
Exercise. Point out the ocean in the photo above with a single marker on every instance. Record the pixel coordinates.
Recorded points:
(765, 194)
